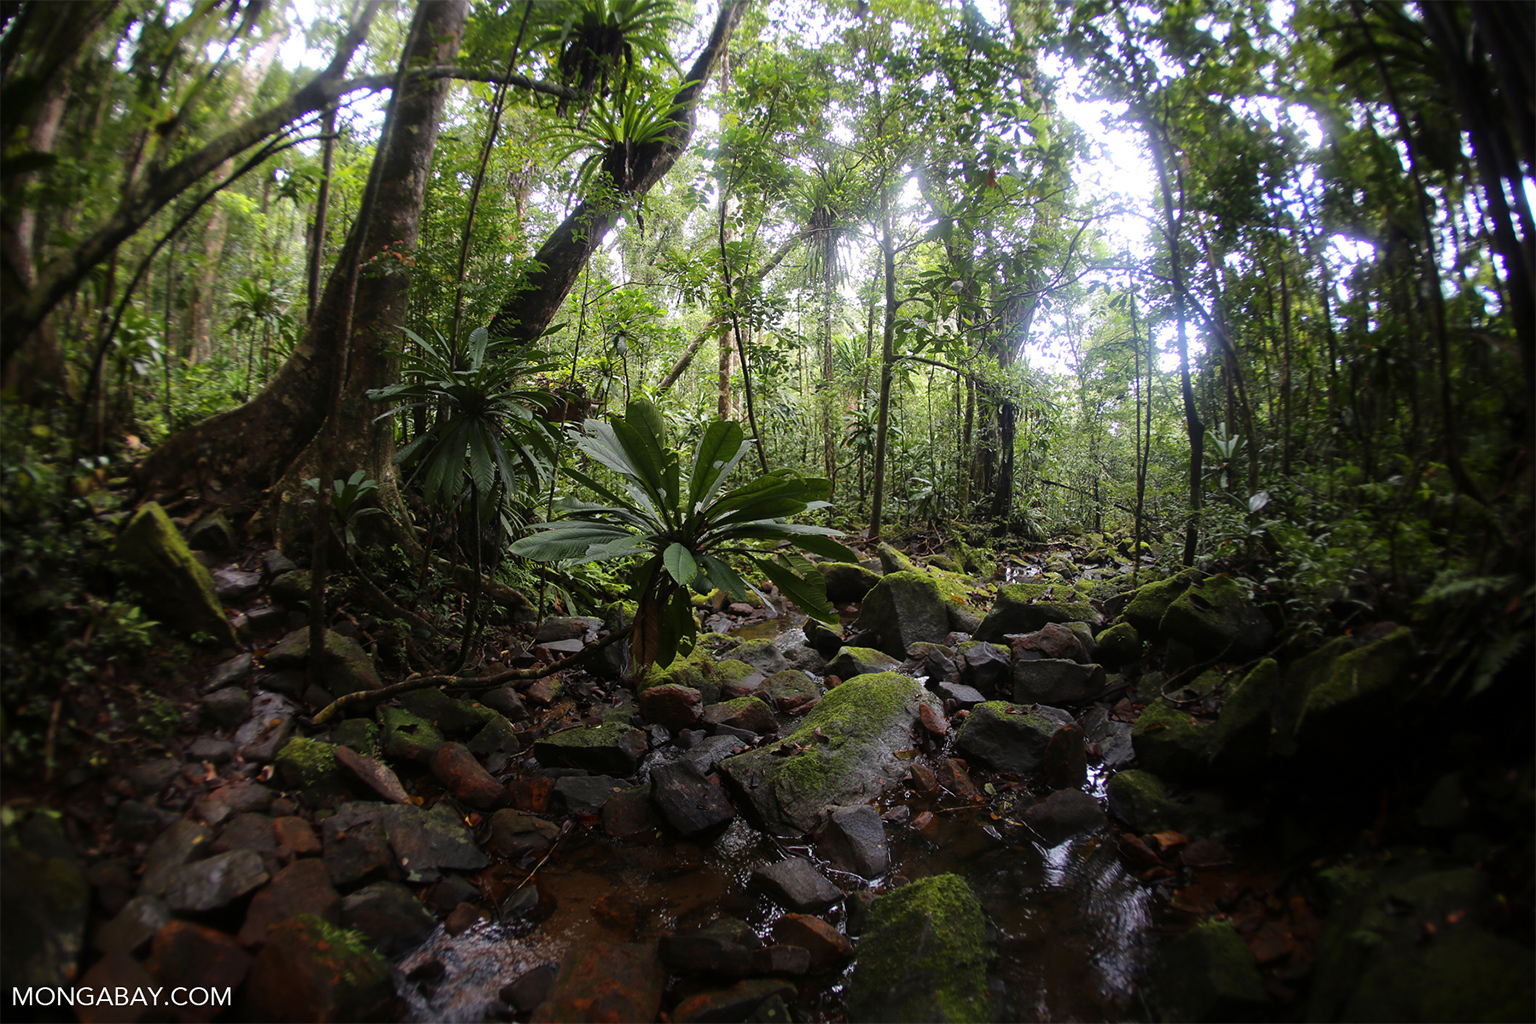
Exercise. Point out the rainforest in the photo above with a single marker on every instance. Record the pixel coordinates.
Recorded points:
(767, 510)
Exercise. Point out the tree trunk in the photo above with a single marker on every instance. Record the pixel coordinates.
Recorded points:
(887, 367)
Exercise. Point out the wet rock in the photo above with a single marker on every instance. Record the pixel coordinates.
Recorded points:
(458, 770)
(296, 836)
(44, 900)
(1239, 744)
(795, 882)
(355, 843)
(792, 691)
(214, 751)
(762, 655)
(1118, 646)
(742, 1001)
(952, 777)
(1009, 737)
(1208, 974)
(1172, 743)
(529, 989)
(302, 887)
(229, 673)
(606, 981)
(153, 776)
(827, 946)
(846, 582)
(462, 918)
(312, 970)
(1112, 738)
(630, 813)
(922, 956)
(134, 926)
(588, 794)
(1056, 682)
(1064, 814)
(963, 696)
(233, 585)
(673, 706)
(135, 822)
(567, 627)
(806, 659)
(987, 667)
(1027, 607)
(517, 834)
(1066, 758)
(174, 586)
(821, 639)
(347, 667)
(176, 846)
(505, 700)
(249, 832)
(215, 881)
(389, 917)
(427, 842)
(853, 839)
(858, 661)
(187, 955)
(1140, 799)
(688, 799)
(1150, 602)
(534, 793)
(224, 709)
(95, 992)
(408, 737)
(236, 798)
(310, 766)
(1216, 617)
(1052, 640)
(449, 892)
(747, 713)
(291, 589)
(842, 753)
(274, 563)
(738, 679)
(904, 608)
(269, 727)
(373, 774)
(609, 748)
(495, 745)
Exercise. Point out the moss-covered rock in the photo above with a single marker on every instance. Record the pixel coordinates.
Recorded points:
(697, 671)
(847, 582)
(1208, 974)
(310, 767)
(310, 969)
(173, 585)
(858, 661)
(1025, 607)
(408, 737)
(892, 560)
(359, 734)
(1356, 693)
(1009, 737)
(904, 608)
(792, 691)
(1141, 800)
(762, 655)
(453, 718)
(610, 748)
(1240, 741)
(922, 956)
(1151, 602)
(1171, 743)
(1118, 646)
(347, 669)
(1216, 618)
(842, 753)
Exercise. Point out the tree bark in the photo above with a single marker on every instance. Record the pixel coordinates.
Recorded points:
(887, 367)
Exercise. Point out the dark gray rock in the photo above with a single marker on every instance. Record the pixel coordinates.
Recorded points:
(153, 776)
(792, 691)
(291, 589)
(987, 667)
(372, 773)
(963, 696)
(355, 844)
(135, 822)
(1055, 681)
(853, 839)
(611, 748)
(226, 708)
(495, 744)
(215, 881)
(408, 737)
(1208, 974)
(1025, 607)
(1064, 814)
(1118, 646)
(1113, 738)
(237, 797)
(690, 801)
(505, 700)
(233, 585)
(176, 846)
(389, 917)
(847, 582)
(586, 794)
(228, 673)
(428, 842)
(904, 608)
(134, 926)
(266, 730)
(211, 533)
(568, 627)
(821, 639)
(858, 661)
(934, 663)
(797, 884)
(346, 669)
(805, 658)
(274, 563)
(762, 655)
(1009, 737)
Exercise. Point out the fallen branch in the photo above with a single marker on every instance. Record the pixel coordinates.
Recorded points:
(368, 698)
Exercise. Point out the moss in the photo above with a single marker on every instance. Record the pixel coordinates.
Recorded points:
(1147, 608)
(846, 581)
(1241, 739)
(1358, 686)
(407, 736)
(892, 560)
(1138, 798)
(591, 736)
(355, 962)
(1171, 742)
(174, 585)
(1118, 646)
(1207, 973)
(1026, 607)
(923, 956)
(310, 767)
(698, 671)
(747, 649)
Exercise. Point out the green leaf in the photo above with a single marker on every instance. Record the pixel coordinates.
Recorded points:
(809, 593)
(721, 448)
(724, 577)
(680, 563)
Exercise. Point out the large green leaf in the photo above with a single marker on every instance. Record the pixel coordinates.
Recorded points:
(723, 577)
(808, 592)
(556, 541)
(721, 448)
(680, 563)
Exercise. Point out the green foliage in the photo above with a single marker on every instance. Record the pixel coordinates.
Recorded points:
(347, 497)
(684, 527)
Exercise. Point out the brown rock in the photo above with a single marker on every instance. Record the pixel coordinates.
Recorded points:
(115, 970)
(1066, 758)
(953, 778)
(603, 981)
(311, 971)
(673, 706)
(462, 918)
(531, 794)
(630, 813)
(825, 943)
(750, 713)
(303, 887)
(296, 835)
(1053, 640)
(739, 1002)
(516, 834)
(190, 955)
(376, 775)
(458, 769)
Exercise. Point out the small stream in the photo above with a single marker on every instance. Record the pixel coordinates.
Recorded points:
(1067, 922)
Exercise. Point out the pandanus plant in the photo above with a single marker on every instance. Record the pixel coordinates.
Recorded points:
(683, 529)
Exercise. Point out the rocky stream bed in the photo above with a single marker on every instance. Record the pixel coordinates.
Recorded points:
(1061, 797)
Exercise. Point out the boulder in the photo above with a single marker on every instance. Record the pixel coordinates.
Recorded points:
(347, 668)
(174, 586)
(495, 744)
(1150, 602)
(805, 658)
(192, 956)
(356, 846)
(1054, 681)
(1351, 692)
(611, 748)
(697, 671)
(1009, 737)
(589, 794)
(1208, 974)
(762, 655)
(1240, 741)
(225, 709)
(671, 706)
(45, 898)
(1171, 743)
(389, 917)
(792, 691)
(795, 882)
(428, 842)
(744, 1000)
(1141, 800)
(1217, 619)
(922, 956)
(453, 718)
(374, 774)
(822, 640)
(216, 881)
(749, 713)
(842, 753)
(302, 887)
(310, 767)
(828, 946)
(858, 661)
(847, 582)
(458, 770)
(604, 981)
(1118, 646)
(987, 667)
(178, 845)
(1064, 814)
(1026, 607)
(1066, 758)
(408, 737)
(1052, 640)
(312, 970)
(690, 801)
(517, 834)
(134, 926)
(892, 560)
(904, 608)
(853, 839)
